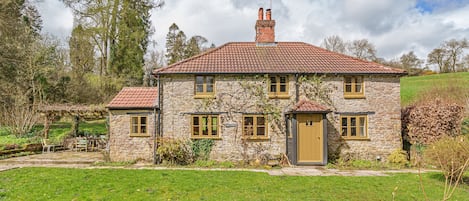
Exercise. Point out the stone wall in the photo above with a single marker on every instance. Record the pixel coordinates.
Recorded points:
(232, 99)
(382, 103)
(124, 147)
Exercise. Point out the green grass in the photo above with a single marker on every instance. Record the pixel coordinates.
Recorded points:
(121, 184)
(411, 87)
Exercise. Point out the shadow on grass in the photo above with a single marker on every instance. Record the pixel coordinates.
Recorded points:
(441, 178)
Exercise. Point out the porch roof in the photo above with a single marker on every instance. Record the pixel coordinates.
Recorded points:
(308, 106)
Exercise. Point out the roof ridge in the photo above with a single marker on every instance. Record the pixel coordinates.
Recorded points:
(191, 58)
(355, 58)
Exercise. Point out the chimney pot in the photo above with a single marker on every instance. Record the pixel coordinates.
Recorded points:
(268, 14)
(261, 14)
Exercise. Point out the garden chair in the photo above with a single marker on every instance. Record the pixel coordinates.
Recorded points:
(82, 144)
(46, 145)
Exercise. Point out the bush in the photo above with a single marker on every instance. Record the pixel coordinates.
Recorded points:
(176, 151)
(449, 154)
(202, 148)
(429, 121)
(398, 157)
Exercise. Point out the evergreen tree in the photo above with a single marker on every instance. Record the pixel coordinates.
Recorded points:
(175, 44)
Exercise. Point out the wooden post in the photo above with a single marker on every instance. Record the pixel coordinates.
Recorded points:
(46, 126)
(75, 124)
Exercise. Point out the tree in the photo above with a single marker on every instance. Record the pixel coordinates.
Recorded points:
(195, 46)
(362, 49)
(81, 54)
(334, 43)
(175, 44)
(448, 57)
(411, 63)
(134, 29)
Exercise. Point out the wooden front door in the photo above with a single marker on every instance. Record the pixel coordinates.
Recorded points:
(310, 138)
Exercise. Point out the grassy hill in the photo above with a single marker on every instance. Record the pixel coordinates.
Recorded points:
(411, 87)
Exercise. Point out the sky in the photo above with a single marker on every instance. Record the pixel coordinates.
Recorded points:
(393, 26)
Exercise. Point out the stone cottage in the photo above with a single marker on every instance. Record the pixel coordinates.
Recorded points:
(267, 99)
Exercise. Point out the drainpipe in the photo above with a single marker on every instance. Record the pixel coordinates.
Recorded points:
(154, 136)
(159, 116)
(297, 88)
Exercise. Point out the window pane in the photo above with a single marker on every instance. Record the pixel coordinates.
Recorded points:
(344, 131)
(348, 88)
(214, 125)
(205, 125)
(358, 88)
(143, 129)
(283, 88)
(353, 121)
(362, 127)
(210, 83)
(273, 88)
(199, 80)
(195, 121)
(143, 120)
(283, 79)
(260, 121)
(261, 131)
(134, 120)
(344, 121)
(273, 80)
(348, 80)
(353, 131)
(199, 88)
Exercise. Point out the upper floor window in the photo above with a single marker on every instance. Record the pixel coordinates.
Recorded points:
(278, 86)
(204, 85)
(255, 126)
(353, 87)
(138, 126)
(205, 126)
(354, 126)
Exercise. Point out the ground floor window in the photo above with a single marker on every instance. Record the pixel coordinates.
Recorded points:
(138, 125)
(255, 126)
(354, 126)
(205, 126)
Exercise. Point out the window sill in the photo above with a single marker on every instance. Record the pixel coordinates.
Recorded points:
(200, 138)
(285, 96)
(139, 135)
(356, 139)
(202, 96)
(354, 96)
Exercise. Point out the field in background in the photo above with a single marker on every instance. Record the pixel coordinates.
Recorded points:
(411, 87)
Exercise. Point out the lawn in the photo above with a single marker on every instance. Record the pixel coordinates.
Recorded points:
(412, 86)
(122, 184)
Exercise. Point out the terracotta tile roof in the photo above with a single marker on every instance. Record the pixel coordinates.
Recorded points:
(135, 97)
(284, 57)
(309, 106)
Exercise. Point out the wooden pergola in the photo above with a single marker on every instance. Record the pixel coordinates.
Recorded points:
(76, 111)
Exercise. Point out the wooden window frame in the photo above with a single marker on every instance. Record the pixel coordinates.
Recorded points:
(139, 133)
(353, 86)
(209, 125)
(255, 136)
(278, 84)
(357, 127)
(204, 93)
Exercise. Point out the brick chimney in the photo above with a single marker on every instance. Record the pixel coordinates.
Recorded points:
(265, 32)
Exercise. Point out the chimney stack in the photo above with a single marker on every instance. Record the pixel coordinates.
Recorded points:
(265, 32)
(268, 14)
(261, 14)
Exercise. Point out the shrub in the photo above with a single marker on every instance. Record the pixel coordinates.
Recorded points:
(202, 148)
(175, 151)
(398, 157)
(427, 122)
(449, 154)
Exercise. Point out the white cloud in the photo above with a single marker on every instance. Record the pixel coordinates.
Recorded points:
(394, 26)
